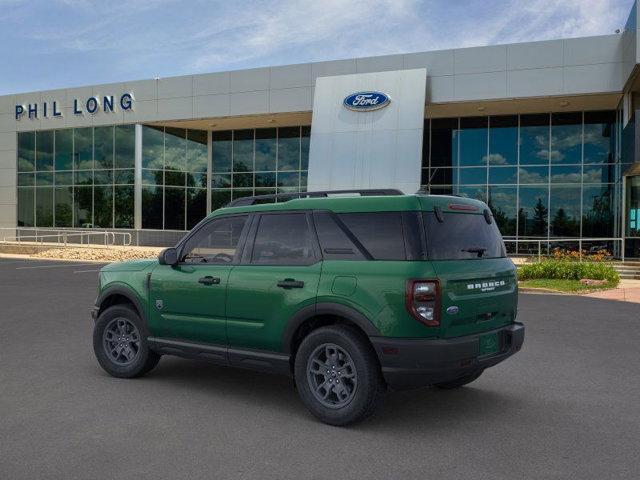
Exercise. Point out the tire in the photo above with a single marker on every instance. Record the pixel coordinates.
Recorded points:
(460, 381)
(131, 358)
(353, 391)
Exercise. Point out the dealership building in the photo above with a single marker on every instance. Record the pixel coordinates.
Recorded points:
(544, 132)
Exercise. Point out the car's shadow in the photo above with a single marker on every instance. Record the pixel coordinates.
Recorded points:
(401, 411)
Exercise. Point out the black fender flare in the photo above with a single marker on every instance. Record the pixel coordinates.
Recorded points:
(325, 308)
(125, 292)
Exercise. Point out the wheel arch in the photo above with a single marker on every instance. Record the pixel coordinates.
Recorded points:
(120, 294)
(314, 316)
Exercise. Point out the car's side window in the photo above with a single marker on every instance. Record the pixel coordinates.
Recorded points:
(283, 239)
(334, 242)
(216, 242)
(381, 233)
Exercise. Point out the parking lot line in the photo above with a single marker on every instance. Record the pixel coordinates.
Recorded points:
(13, 262)
(86, 271)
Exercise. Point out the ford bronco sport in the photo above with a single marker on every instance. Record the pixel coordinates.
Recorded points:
(349, 295)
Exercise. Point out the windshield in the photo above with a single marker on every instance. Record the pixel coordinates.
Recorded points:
(462, 236)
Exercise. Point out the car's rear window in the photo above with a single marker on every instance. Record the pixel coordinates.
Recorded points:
(462, 236)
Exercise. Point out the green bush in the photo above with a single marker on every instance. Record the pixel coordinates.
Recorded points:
(566, 270)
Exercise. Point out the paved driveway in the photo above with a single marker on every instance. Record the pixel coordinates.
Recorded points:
(567, 406)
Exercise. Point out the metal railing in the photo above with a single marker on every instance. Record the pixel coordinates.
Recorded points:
(545, 246)
(82, 238)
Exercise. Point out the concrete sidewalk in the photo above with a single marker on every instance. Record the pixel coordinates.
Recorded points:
(627, 291)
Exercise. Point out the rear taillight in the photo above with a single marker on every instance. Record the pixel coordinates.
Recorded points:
(423, 301)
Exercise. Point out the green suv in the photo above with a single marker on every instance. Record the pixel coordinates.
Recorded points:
(348, 294)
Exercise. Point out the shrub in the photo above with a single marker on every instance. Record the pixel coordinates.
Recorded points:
(569, 270)
(601, 255)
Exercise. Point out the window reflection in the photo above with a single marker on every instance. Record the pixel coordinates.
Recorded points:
(473, 139)
(103, 207)
(472, 176)
(502, 201)
(221, 151)
(172, 194)
(26, 205)
(566, 138)
(533, 175)
(288, 148)
(243, 150)
(103, 147)
(533, 211)
(598, 137)
(534, 139)
(597, 211)
(503, 175)
(44, 150)
(26, 151)
(63, 158)
(503, 140)
(478, 193)
(44, 207)
(265, 149)
(571, 174)
(74, 177)
(264, 161)
(564, 211)
(83, 148)
(175, 150)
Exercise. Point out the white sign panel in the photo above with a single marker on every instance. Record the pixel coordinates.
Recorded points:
(357, 144)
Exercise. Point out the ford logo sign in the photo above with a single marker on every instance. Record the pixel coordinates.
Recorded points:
(366, 101)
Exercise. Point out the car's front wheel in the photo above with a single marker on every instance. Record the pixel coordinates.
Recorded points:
(120, 344)
(338, 376)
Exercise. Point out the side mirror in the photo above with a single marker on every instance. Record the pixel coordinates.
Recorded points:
(168, 256)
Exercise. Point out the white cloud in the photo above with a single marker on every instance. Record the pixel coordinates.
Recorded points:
(494, 159)
(144, 38)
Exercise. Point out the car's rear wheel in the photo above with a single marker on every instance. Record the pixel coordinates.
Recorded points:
(338, 376)
(120, 343)
(459, 382)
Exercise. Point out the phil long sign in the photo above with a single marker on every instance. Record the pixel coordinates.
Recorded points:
(52, 109)
(366, 101)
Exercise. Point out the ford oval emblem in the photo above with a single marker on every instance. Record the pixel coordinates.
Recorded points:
(452, 310)
(366, 101)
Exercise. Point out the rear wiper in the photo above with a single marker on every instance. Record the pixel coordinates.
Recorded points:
(480, 251)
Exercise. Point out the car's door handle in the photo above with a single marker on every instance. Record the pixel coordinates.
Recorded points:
(290, 283)
(209, 280)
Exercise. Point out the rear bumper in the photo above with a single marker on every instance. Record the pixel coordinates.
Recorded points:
(411, 363)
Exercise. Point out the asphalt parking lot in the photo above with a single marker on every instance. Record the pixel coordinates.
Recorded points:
(567, 406)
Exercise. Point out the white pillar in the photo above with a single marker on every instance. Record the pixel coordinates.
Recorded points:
(137, 196)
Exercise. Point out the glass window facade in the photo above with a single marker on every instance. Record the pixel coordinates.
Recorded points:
(80, 177)
(174, 177)
(544, 175)
(258, 162)
(85, 177)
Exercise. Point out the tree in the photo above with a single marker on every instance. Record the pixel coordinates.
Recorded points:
(540, 219)
(563, 225)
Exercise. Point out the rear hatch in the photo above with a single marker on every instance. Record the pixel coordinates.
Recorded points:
(477, 281)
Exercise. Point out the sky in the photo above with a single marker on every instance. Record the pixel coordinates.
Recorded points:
(48, 44)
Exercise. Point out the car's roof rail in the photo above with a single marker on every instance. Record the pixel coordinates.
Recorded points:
(285, 197)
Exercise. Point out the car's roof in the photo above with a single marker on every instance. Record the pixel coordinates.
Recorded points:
(361, 204)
